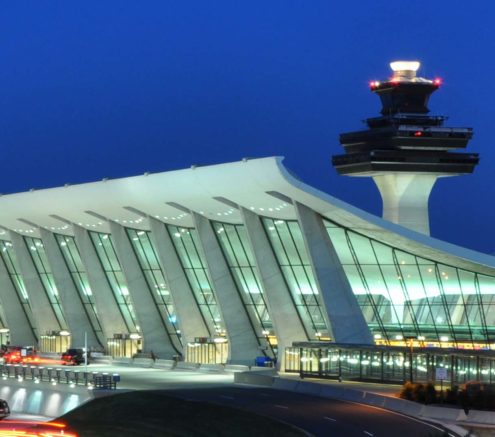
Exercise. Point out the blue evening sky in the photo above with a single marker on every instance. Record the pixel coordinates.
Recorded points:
(95, 89)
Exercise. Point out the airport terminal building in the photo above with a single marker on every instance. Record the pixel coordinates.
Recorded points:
(230, 262)
(242, 253)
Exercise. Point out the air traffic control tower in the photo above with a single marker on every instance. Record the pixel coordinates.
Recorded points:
(405, 150)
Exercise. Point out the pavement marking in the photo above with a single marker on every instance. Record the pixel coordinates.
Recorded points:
(368, 433)
(227, 397)
(330, 419)
(281, 406)
(396, 413)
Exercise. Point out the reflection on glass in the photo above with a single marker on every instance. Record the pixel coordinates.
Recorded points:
(10, 262)
(288, 245)
(185, 241)
(235, 247)
(110, 264)
(72, 258)
(37, 251)
(148, 261)
(403, 295)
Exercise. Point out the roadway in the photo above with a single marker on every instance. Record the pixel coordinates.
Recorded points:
(315, 415)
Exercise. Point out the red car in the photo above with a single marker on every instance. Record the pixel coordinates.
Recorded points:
(20, 355)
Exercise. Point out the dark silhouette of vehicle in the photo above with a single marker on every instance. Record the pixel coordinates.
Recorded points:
(73, 357)
(4, 409)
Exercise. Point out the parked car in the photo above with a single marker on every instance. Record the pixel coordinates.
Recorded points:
(4, 409)
(73, 356)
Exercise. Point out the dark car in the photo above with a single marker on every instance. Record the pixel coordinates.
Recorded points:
(4, 409)
(73, 357)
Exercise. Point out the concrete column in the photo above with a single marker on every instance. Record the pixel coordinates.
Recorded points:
(190, 319)
(109, 314)
(283, 313)
(243, 343)
(75, 313)
(405, 199)
(16, 318)
(44, 316)
(151, 323)
(346, 321)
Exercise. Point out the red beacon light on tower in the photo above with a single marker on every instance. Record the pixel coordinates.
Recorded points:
(437, 81)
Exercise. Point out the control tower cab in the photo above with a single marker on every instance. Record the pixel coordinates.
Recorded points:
(405, 150)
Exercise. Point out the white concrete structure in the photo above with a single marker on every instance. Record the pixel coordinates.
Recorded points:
(230, 262)
(405, 198)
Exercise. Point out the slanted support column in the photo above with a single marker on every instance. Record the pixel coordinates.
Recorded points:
(189, 316)
(15, 316)
(405, 198)
(109, 315)
(75, 313)
(283, 313)
(243, 343)
(43, 315)
(153, 328)
(344, 315)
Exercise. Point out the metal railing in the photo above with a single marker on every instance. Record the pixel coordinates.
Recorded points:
(54, 376)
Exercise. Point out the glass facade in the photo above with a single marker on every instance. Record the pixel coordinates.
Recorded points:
(235, 247)
(72, 258)
(148, 261)
(389, 364)
(405, 297)
(288, 245)
(113, 271)
(186, 244)
(10, 262)
(40, 260)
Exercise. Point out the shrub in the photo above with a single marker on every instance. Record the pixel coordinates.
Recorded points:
(452, 395)
(407, 391)
(430, 393)
(419, 393)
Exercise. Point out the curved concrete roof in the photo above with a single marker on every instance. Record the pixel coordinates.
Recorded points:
(263, 185)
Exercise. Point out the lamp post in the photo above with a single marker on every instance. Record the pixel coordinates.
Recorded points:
(85, 351)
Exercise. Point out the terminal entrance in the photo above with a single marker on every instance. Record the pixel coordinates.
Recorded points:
(55, 342)
(205, 351)
(122, 345)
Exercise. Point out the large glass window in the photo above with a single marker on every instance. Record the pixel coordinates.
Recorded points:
(40, 260)
(76, 268)
(148, 261)
(10, 262)
(235, 247)
(111, 266)
(186, 244)
(288, 245)
(406, 296)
